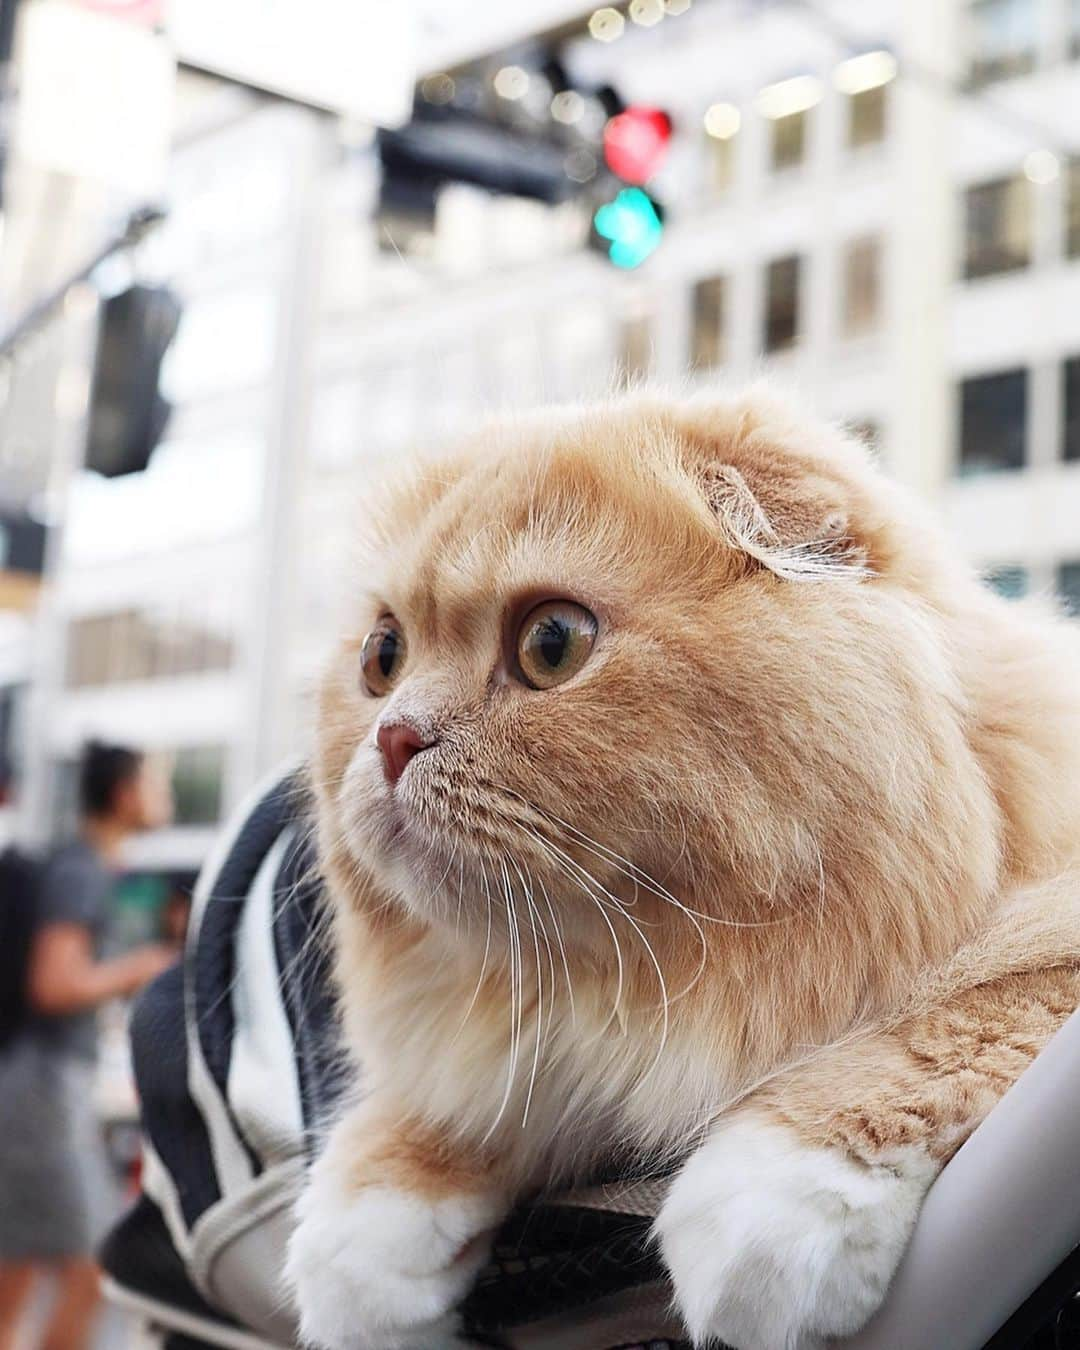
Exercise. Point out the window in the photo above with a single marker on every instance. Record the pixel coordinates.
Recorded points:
(1008, 579)
(635, 357)
(866, 117)
(722, 122)
(788, 105)
(1070, 447)
(993, 422)
(197, 777)
(997, 227)
(789, 140)
(721, 155)
(1002, 39)
(864, 78)
(1072, 209)
(142, 645)
(861, 286)
(707, 346)
(782, 277)
(1068, 587)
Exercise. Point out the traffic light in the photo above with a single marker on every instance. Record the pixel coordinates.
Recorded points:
(127, 413)
(629, 225)
(632, 226)
(636, 143)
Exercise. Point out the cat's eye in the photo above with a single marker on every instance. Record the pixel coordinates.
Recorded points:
(382, 656)
(554, 642)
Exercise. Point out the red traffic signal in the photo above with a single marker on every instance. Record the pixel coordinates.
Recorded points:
(636, 143)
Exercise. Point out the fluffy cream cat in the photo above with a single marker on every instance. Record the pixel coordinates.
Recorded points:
(680, 792)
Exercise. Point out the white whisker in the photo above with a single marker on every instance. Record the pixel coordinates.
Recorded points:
(483, 964)
(539, 995)
(587, 880)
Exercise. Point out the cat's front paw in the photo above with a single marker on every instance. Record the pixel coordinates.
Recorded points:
(383, 1269)
(774, 1245)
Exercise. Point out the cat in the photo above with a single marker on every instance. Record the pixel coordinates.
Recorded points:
(681, 794)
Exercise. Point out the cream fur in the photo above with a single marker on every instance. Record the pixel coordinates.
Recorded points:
(776, 1246)
(381, 1271)
(813, 788)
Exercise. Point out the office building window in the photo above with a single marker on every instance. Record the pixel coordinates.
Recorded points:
(707, 345)
(1008, 579)
(997, 222)
(866, 116)
(636, 347)
(861, 286)
(865, 78)
(721, 155)
(1002, 39)
(993, 422)
(142, 645)
(782, 280)
(1072, 209)
(722, 123)
(1070, 441)
(197, 778)
(789, 140)
(1068, 587)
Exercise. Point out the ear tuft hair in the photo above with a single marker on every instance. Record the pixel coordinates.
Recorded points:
(789, 535)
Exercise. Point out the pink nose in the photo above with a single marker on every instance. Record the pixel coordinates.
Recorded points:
(399, 741)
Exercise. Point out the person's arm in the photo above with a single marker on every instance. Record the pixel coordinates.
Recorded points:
(64, 977)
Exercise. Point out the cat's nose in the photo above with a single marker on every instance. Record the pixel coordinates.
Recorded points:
(399, 741)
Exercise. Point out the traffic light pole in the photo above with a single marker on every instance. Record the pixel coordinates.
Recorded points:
(7, 45)
(36, 793)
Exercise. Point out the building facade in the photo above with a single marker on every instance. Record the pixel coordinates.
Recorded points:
(876, 203)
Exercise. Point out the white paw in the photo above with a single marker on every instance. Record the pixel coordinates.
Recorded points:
(776, 1246)
(383, 1269)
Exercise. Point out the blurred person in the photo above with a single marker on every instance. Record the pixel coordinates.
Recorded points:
(54, 1173)
(18, 878)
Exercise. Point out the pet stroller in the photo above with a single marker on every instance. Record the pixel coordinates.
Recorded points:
(237, 1064)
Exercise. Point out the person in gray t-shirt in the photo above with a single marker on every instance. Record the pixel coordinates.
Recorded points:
(54, 1177)
(75, 887)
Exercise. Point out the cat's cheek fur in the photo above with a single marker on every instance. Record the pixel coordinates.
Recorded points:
(774, 1244)
(382, 1268)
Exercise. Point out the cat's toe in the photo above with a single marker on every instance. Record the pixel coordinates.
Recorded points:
(774, 1245)
(383, 1269)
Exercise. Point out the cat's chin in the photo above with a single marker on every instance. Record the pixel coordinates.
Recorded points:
(419, 877)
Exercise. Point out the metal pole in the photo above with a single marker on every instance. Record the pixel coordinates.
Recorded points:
(49, 645)
(7, 44)
(271, 730)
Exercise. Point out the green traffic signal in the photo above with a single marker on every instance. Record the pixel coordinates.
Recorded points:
(632, 225)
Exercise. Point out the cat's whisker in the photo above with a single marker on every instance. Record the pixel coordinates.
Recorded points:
(483, 963)
(616, 1010)
(587, 880)
(562, 949)
(630, 869)
(526, 896)
(446, 870)
(533, 881)
(516, 997)
(632, 873)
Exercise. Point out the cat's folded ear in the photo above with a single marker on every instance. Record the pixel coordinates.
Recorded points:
(789, 512)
